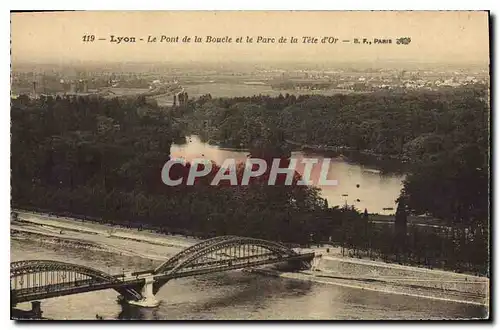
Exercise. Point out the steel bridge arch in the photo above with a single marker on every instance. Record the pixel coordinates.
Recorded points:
(17, 264)
(26, 267)
(278, 249)
(37, 266)
(172, 262)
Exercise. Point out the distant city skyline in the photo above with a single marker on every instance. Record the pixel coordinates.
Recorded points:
(437, 37)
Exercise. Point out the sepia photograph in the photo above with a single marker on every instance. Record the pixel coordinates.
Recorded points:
(250, 165)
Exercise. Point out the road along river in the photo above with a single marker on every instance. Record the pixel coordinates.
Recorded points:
(338, 288)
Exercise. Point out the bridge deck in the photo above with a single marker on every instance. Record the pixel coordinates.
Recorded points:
(137, 278)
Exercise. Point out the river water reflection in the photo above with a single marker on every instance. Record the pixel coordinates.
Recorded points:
(358, 185)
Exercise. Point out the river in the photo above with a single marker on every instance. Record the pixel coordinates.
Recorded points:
(230, 295)
(358, 185)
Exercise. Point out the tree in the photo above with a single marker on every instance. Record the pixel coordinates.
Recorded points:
(400, 226)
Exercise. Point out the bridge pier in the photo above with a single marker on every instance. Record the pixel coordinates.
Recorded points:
(34, 314)
(149, 299)
(36, 309)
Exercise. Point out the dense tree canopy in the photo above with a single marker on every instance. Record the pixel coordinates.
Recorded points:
(102, 159)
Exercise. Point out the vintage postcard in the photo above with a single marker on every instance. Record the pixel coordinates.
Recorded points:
(250, 165)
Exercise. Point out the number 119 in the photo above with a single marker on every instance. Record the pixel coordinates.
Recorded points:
(88, 38)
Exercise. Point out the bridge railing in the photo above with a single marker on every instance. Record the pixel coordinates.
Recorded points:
(192, 271)
(56, 286)
(36, 287)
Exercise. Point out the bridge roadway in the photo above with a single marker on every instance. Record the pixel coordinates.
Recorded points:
(42, 279)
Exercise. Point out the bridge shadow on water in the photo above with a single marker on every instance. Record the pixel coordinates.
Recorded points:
(220, 291)
(130, 312)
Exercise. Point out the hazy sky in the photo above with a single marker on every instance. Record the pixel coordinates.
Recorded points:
(436, 36)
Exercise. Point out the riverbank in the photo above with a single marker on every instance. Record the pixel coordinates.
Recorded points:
(101, 237)
(331, 268)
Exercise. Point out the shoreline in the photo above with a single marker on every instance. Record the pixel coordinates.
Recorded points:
(330, 269)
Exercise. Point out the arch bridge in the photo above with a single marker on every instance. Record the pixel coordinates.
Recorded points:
(41, 279)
